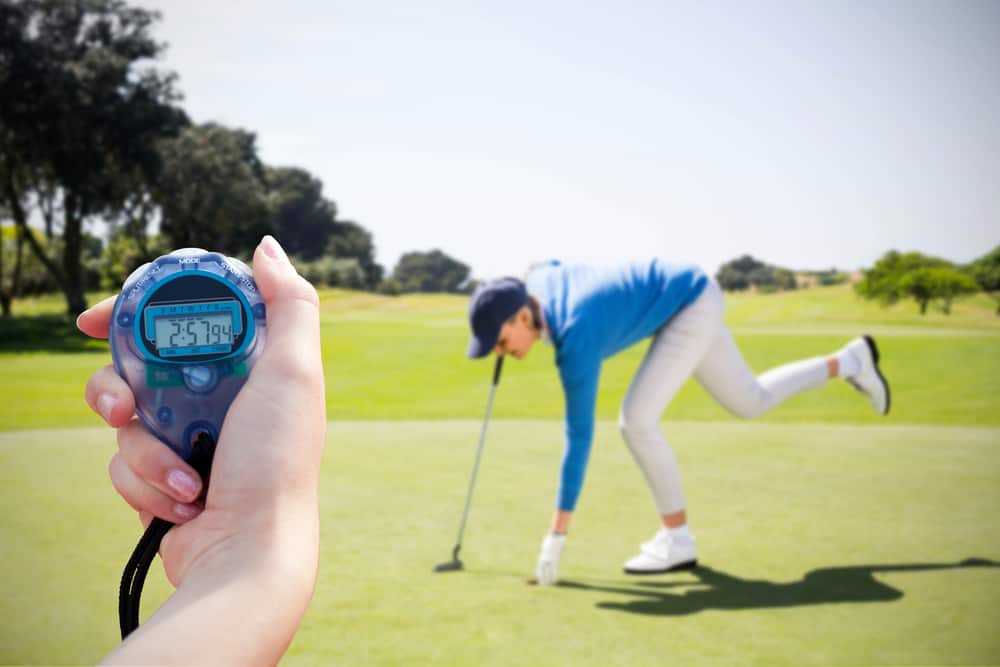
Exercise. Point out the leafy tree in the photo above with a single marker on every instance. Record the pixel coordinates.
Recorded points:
(79, 119)
(432, 271)
(125, 253)
(352, 241)
(731, 278)
(390, 287)
(927, 283)
(26, 274)
(303, 219)
(745, 271)
(211, 192)
(29, 275)
(882, 281)
(332, 272)
(830, 277)
(986, 272)
(784, 279)
(307, 227)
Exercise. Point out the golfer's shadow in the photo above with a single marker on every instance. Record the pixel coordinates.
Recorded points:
(826, 585)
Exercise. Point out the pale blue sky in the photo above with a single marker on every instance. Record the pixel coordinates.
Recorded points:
(808, 134)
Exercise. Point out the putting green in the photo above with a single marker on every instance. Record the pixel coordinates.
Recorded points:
(821, 544)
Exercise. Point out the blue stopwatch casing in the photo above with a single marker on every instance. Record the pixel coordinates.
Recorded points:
(185, 332)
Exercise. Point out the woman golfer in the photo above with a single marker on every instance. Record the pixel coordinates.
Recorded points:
(589, 313)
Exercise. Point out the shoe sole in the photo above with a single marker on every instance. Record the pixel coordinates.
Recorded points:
(885, 385)
(688, 565)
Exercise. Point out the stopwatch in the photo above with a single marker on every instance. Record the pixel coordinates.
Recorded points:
(185, 332)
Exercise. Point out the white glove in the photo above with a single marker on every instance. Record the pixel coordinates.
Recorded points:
(547, 571)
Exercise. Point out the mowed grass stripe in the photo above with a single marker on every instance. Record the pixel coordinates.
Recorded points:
(403, 358)
(824, 544)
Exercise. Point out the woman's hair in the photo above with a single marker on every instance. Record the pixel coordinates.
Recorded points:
(536, 312)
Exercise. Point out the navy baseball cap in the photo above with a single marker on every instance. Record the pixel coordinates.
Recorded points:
(492, 304)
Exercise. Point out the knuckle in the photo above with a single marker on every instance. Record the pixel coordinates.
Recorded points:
(303, 290)
(119, 480)
(296, 365)
(144, 456)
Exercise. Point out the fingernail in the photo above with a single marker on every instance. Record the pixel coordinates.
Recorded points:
(273, 249)
(105, 404)
(187, 511)
(183, 483)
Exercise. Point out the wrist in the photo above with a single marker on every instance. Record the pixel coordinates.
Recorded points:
(272, 544)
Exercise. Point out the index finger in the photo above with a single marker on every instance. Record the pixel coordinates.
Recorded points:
(95, 320)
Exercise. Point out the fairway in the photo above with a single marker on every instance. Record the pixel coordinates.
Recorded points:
(403, 358)
(821, 544)
(827, 535)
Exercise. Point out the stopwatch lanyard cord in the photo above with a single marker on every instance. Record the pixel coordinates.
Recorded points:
(134, 576)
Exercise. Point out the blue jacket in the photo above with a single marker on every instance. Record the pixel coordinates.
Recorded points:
(592, 313)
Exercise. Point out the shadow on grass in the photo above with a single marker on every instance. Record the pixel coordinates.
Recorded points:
(826, 585)
(45, 333)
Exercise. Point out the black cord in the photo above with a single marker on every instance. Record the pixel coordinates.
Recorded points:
(134, 576)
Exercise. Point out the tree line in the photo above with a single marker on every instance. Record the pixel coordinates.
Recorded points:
(930, 280)
(895, 276)
(89, 132)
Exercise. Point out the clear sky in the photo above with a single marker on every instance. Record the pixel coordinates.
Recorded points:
(808, 134)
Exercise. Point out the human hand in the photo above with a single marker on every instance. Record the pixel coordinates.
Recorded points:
(547, 570)
(259, 522)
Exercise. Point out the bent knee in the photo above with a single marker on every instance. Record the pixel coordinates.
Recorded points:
(748, 409)
(634, 426)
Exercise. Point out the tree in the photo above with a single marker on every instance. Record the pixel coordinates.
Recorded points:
(211, 191)
(307, 227)
(352, 241)
(26, 274)
(432, 271)
(927, 283)
(731, 278)
(303, 219)
(744, 271)
(125, 253)
(79, 120)
(882, 281)
(986, 272)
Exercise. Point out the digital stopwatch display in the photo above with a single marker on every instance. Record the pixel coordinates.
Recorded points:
(194, 328)
(178, 326)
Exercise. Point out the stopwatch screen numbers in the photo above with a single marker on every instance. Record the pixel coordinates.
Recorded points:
(183, 329)
(208, 330)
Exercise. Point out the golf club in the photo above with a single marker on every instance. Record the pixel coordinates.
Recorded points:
(455, 563)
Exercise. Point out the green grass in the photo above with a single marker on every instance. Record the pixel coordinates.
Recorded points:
(402, 358)
(822, 544)
(828, 536)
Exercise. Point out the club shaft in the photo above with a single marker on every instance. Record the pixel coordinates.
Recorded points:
(479, 455)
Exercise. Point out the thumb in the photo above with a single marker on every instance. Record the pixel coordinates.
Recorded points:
(292, 303)
(277, 423)
(292, 348)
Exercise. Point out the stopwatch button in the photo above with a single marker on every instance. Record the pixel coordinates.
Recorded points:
(135, 274)
(188, 252)
(240, 265)
(199, 378)
(259, 312)
(165, 415)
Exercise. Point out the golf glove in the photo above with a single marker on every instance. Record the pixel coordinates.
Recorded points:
(547, 572)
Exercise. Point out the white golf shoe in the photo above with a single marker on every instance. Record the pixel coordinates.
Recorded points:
(660, 555)
(869, 379)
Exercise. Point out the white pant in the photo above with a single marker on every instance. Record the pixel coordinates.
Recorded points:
(697, 342)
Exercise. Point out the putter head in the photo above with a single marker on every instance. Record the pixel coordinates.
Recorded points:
(448, 566)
